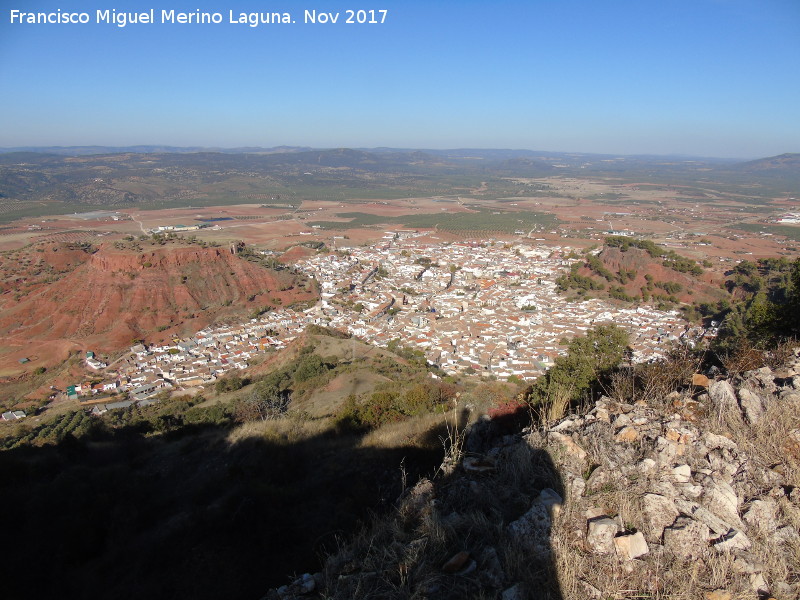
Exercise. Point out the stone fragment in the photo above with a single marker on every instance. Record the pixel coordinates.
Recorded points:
(791, 444)
(577, 487)
(723, 464)
(762, 515)
(759, 585)
(627, 435)
(747, 563)
(721, 499)
(690, 491)
(594, 512)
(601, 478)
(686, 538)
(682, 474)
(600, 537)
(470, 568)
(551, 501)
(478, 464)
(621, 421)
(491, 573)
(532, 530)
(796, 382)
(603, 415)
(752, 405)
(764, 378)
(667, 451)
(731, 541)
(692, 411)
(569, 445)
(703, 515)
(515, 592)
(789, 396)
(700, 380)
(659, 512)
(567, 425)
(456, 563)
(718, 595)
(786, 535)
(631, 546)
(723, 395)
(713, 441)
(647, 466)
(785, 590)
(299, 587)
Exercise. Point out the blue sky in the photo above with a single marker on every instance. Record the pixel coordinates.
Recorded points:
(693, 77)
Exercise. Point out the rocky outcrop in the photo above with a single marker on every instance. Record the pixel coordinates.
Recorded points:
(691, 495)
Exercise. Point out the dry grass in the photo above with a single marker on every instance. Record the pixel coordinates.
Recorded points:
(287, 430)
(402, 556)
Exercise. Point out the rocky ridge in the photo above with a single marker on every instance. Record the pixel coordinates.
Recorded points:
(689, 496)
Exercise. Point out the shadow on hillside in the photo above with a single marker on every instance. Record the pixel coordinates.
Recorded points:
(186, 515)
(507, 497)
(461, 511)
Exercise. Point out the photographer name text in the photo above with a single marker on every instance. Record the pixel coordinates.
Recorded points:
(197, 17)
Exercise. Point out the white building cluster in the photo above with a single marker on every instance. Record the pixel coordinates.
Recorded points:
(483, 306)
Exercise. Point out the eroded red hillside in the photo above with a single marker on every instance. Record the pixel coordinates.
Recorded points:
(112, 296)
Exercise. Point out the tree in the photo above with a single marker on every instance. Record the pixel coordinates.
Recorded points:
(590, 359)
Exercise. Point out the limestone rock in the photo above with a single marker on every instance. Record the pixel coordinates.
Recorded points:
(762, 378)
(515, 592)
(577, 487)
(759, 585)
(600, 538)
(786, 535)
(713, 441)
(686, 538)
(532, 530)
(551, 501)
(299, 587)
(569, 445)
(722, 395)
(491, 572)
(762, 515)
(731, 541)
(746, 563)
(627, 435)
(721, 499)
(659, 512)
(703, 515)
(631, 546)
(752, 405)
(692, 410)
(682, 474)
(647, 466)
(621, 421)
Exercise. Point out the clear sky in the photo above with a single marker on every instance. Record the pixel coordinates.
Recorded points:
(694, 77)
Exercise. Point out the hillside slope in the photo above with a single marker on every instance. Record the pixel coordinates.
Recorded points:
(691, 494)
(105, 299)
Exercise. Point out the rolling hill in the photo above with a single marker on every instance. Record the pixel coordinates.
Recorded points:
(104, 298)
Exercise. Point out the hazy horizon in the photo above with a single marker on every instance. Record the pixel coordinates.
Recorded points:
(170, 148)
(701, 78)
